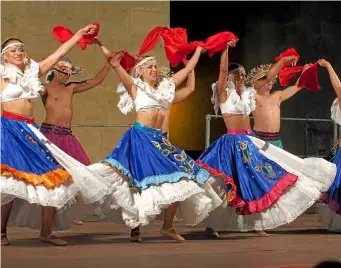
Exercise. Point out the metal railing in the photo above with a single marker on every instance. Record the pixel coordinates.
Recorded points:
(100, 125)
(208, 117)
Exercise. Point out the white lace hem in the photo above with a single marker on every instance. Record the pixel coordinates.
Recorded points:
(28, 201)
(134, 209)
(57, 197)
(315, 175)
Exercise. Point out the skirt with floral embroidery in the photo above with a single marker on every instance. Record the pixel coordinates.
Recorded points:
(273, 186)
(36, 174)
(150, 174)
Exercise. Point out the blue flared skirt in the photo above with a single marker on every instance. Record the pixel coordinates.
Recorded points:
(25, 157)
(146, 157)
(260, 181)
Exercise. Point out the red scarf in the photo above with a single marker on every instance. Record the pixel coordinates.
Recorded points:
(308, 79)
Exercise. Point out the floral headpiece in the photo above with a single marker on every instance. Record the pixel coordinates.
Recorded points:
(65, 66)
(165, 72)
(258, 73)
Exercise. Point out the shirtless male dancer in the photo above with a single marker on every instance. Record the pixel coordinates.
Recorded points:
(267, 116)
(58, 102)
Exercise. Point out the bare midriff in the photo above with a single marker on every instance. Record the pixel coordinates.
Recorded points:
(237, 121)
(153, 118)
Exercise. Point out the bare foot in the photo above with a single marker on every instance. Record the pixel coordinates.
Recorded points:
(52, 239)
(4, 240)
(171, 233)
(210, 232)
(135, 235)
(261, 233)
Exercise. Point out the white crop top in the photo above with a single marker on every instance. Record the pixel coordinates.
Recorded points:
(335, 112)
(20, 85)
(147, 98)
(235, 104)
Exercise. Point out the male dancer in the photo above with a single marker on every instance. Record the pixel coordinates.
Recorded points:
(267, 116)
(58, 102)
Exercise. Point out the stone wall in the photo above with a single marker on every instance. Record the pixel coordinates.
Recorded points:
(124, 25)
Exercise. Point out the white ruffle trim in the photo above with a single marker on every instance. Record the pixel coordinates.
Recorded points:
(164, 93)
(335, 112)
(315, 175)
(29, 80)
(244, 104)
(330, 220)
(57, 197)
(28, 201)
(134, 208)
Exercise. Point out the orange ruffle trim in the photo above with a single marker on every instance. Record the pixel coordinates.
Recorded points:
(49, 180)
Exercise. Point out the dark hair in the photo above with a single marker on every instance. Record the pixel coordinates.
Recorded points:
(4, 44)
(233, 66)
(50, 76)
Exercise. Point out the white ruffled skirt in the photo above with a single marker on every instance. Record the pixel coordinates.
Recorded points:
(132, 207)
(73, 199)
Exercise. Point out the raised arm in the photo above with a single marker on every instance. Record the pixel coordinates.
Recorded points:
(223, 72)
(122, 74)
(288, 92)
(273, 72)
(93, 82)
(106, 52)
(181, 75)
(50, 61)
(182, 93)
(334, 79)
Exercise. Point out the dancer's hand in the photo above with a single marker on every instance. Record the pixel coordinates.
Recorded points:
(293, 59)
(306, 66)
(323, 63)
(89, 29)
(231, 43)
(115, 59)
(201, 49)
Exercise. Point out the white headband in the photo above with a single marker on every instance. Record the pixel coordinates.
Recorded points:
(12, 45)
(144, 61)
(238, 70)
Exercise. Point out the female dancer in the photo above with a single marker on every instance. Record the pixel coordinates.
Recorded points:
(331, 213)
(273, 186)
(163, 175)
(36, 177)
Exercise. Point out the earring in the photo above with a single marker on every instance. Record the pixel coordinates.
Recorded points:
(26, 61)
